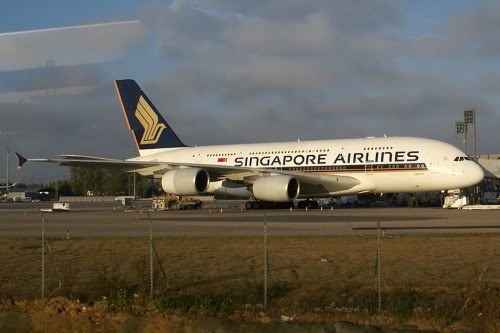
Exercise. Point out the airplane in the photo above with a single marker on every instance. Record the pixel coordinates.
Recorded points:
(279, 171)
(4, 187)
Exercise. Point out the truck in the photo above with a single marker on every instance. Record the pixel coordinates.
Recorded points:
(174, 202)
(60, 207)
(455, 199)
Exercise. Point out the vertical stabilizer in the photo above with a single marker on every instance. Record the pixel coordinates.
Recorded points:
(149, 129)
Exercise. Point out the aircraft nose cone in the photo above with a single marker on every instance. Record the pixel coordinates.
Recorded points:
(475, 174)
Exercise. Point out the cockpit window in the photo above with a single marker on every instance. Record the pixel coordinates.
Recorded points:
(467, 158)
(462, 158)
(456, 159)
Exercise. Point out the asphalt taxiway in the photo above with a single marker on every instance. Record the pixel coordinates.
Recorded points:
(105, 220)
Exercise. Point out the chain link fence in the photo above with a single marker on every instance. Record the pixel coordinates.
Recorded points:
(179, 260)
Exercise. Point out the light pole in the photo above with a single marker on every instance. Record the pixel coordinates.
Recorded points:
(460, 126)
(469, 118)
(7, 148)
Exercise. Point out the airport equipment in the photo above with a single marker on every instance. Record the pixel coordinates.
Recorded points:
(60, 207)
(57, 207)
(455, 199)
(127, 202)
(174, 202)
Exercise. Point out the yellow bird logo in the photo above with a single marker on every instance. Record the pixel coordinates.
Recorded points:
(149, 120)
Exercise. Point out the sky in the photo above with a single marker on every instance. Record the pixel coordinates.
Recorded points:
(238, 71)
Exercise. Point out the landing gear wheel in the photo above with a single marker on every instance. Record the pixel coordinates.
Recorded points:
(248, 205)
(309, 204)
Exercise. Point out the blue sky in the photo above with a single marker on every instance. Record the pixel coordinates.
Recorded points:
(424, 16)
(236, 71)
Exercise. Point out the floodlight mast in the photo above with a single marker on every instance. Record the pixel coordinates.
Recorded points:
(469, 118)
(459, 125)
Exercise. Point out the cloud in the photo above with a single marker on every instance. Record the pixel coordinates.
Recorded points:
(49, 78)
(257, 35)
(267, 74)
(473, 31)
(84, 44)
(468, 34)
(234, 71)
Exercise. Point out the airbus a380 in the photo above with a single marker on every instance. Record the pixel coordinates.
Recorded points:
(280, 172)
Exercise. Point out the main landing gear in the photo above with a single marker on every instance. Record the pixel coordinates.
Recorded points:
(269, 205)
(309, 204)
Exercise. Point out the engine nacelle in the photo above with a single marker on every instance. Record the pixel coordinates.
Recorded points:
(189, 181)
(276, 188)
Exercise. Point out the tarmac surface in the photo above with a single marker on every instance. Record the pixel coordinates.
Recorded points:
(109, 220)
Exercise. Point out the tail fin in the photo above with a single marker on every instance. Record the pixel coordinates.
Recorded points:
(149, 129)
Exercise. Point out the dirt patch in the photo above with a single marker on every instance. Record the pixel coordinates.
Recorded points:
(63, 315)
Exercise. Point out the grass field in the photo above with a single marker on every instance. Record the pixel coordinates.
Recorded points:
(444, 277)
(229, 264)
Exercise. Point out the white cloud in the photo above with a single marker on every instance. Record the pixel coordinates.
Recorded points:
(258, 35)
(64, 46)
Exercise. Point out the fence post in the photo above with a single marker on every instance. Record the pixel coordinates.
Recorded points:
(150, 257)
(43, 255)
(54, 263)
(379, 268)
(266, 261)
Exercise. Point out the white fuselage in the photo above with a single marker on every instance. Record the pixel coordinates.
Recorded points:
(393, 164)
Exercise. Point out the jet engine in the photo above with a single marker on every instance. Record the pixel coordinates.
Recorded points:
(189, 181)
(276, 188)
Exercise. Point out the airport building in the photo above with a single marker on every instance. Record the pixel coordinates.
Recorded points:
(29, 194)
(490, 187)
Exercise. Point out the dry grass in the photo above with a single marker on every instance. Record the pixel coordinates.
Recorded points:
(441, 277)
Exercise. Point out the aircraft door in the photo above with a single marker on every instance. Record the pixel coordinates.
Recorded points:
(434, 166)
(369, 169)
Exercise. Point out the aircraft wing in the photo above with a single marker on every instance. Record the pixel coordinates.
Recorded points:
(311, 183)
(89, 162)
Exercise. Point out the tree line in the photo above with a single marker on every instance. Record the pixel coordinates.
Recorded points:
(98, 182)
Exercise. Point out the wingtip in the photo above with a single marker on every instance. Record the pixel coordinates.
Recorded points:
(20, 160)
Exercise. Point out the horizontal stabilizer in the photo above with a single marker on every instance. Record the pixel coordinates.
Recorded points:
(20, 160)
